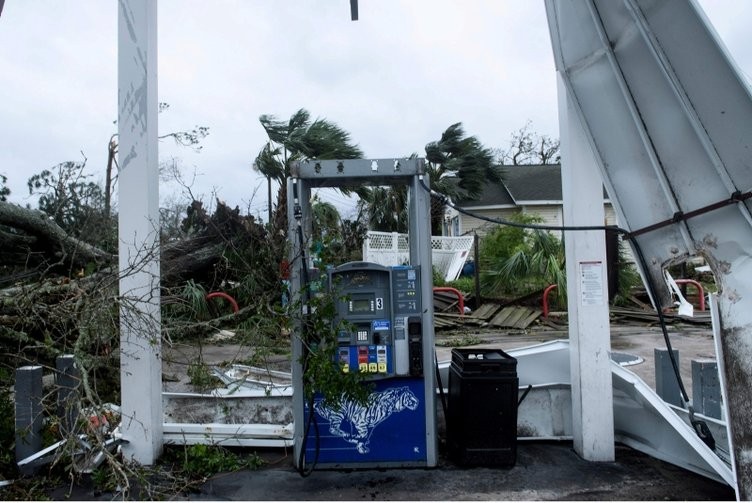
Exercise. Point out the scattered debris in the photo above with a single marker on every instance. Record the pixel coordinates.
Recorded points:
(512, 315)
(490, 316)
(253, 377)
(221, 335)
(651, 317)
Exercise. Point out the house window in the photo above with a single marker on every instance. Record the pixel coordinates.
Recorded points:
(455, 226)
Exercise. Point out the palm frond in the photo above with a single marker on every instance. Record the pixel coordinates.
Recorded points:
(267, 162)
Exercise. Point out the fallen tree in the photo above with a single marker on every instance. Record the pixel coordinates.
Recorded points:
(30, 240)
(33, 242)
(57, 287)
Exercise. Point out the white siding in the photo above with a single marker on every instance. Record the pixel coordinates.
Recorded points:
(550, 213)
(610, 214)
(469, 224)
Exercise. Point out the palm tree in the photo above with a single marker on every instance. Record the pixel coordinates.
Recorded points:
(517, 261)
(384, 208)
(267, 164)
(326, 219)
(298, 139)
(459, 166)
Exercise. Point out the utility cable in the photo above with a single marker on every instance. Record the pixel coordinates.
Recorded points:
(700, 427)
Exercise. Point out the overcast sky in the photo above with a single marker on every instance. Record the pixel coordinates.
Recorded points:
(395, 79)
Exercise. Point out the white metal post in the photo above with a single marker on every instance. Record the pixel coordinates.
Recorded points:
(421, 255)
(140, 322)
(587, 290)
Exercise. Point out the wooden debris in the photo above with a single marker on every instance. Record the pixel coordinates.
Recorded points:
(651, 317)
(515, 317)
(493, 316)
(490, 316)
(485, 312)
(445, 302)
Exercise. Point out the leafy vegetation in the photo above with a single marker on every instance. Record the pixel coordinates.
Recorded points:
(203, 461)
(458, 167)
(628, 279)
(4, 190)
(460, 341)
(298, 139)
(515, 261)
(464, 284)
(322, 372)
(201, 376)
(335, 241)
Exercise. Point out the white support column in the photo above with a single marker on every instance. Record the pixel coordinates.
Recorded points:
(140, 321)
(587, 290)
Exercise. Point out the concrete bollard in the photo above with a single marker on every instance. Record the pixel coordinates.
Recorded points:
(67, 378)
(666, 385)
(706, 387)
(28, 389)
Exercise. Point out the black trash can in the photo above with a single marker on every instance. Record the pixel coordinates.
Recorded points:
(482, 416)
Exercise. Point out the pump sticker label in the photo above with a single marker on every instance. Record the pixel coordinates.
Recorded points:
(381, 325)
(591, 283)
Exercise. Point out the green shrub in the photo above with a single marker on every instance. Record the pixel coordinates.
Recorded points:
(206, 460)
(516, 261)
(464, 284)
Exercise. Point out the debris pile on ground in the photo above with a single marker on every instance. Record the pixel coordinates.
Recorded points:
(490, 316)
(520, 314)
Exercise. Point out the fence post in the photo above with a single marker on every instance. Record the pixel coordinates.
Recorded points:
(476, 271)
(706, 387)
(666, 385)
(67, 379)
(28, 400)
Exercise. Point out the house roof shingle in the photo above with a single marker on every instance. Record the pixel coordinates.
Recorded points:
(525, 184)
(536, 182)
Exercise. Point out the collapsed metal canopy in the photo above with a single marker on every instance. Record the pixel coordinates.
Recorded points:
(669, 120)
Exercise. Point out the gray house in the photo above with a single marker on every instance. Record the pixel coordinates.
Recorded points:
(530, 189)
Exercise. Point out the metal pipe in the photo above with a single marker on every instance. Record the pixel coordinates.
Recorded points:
(225, 296)
(460, 297)
(545, 299)
(697, 285)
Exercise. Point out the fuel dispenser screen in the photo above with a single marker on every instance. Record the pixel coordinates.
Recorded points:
(361, 306)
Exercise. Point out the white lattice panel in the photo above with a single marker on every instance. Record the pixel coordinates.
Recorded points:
(392, 248)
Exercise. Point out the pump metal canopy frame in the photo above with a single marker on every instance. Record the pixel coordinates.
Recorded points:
(391, 341)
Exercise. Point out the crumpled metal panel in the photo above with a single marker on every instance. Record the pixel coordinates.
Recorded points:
(642, 419)
(669, 119)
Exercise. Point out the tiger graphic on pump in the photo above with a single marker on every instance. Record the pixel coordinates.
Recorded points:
(360, 420)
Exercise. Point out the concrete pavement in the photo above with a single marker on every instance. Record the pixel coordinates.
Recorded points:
(544, 471)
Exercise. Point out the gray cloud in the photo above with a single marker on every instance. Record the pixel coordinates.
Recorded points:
(395, 79)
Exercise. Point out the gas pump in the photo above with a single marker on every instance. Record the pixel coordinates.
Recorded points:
(386, 334)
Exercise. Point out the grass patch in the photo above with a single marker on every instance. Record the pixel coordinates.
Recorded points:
(463, 340)
(203, 461)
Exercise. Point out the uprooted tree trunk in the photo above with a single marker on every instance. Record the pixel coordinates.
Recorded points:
(29, 240)
(49, 274)
(33, 232)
